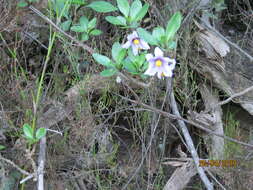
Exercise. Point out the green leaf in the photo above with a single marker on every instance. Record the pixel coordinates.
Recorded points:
(96, 32)
(84, 36)
(41, 132)
(130, 67)
(172, 45)
(77, 28)
(77, 2)
(173, 25)
(158, 33)
(65, 25)
(142, 12)
(140, 60)
(124, 7)
(2, 147)
(103, 60)
(59, 6)
(22, 4)
(118, 53)
(108, 72)
(146, 36)
(135, 9)
(83, 21)
(119, 20)
(102, 6)
(92, 23)
(28, 131)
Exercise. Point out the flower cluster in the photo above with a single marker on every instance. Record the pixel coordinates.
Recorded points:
(136, 43)
(158, 64)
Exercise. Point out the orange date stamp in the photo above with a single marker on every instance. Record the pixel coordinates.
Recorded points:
(218, 163)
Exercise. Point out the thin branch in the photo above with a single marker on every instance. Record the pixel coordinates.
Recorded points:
(27, 178)
(127, 78)
(41, 164)
(188, 139)
(216, 180)
(172, 116)
(15, 166)
(231, 98)
(33, 38)
(84, 46)
(234, 96)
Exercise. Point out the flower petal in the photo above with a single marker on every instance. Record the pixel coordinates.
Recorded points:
(168, 60)
(168, 73)
(135, 49)
(149, 56)
(159, 74)
(158, 52)
(144, 45)
(135, 34)
(150, 71)
(168, 70)
(172, 65)
(126, 45)
(130, 37)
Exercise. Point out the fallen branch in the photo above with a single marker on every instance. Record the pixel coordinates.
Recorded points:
(188, 138)
(181, 176)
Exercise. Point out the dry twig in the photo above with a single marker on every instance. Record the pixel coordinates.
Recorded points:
(15, 166)
(231, 98)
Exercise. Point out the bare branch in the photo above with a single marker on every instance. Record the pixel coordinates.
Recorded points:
(234, 96)
(15, 166)
(127, 78)
(41, 164)
(188, 138)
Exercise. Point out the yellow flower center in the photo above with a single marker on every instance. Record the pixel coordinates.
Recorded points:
(158, 63)
(136, 41)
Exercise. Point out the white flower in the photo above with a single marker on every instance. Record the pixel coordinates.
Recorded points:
(159, 64)
(118, 79)
(135, 42)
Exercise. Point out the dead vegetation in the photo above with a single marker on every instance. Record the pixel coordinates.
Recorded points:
(133, 134)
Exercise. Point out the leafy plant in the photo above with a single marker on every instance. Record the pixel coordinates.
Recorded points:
(86, 28)
(112, 66)
(135, 65)
(131, 15)
(102, 6)
(160, 36)
(29, 133)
